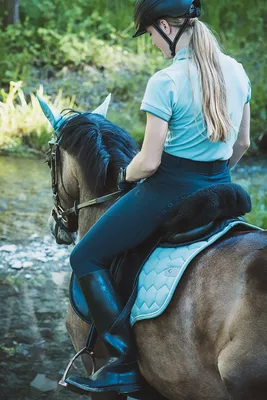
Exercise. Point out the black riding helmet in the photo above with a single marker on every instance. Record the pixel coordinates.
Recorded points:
(146, 12)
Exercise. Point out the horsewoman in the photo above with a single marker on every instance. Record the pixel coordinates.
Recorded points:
(198, 126)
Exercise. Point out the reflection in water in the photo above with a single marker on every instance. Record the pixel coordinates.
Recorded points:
(26, 197)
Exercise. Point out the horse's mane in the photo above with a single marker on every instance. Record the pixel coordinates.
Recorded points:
(100, 146)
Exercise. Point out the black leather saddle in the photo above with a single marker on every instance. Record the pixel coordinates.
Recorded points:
(198, 217)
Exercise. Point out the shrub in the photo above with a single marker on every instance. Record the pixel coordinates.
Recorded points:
(24, 122)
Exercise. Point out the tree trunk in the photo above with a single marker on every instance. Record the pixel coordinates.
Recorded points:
(12, 10)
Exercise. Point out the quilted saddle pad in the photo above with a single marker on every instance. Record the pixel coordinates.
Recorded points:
(162, 272)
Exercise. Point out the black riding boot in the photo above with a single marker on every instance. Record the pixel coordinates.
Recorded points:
(121, 373)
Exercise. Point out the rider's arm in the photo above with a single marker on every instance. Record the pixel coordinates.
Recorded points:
(243, 139)
(147, 161)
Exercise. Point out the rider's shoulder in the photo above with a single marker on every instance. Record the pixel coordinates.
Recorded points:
(231, 64)
(161, 79)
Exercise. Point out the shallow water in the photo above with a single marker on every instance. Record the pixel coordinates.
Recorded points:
(34, 275)
(25, 199)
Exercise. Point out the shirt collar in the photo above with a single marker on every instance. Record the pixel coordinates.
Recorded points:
(181, 54)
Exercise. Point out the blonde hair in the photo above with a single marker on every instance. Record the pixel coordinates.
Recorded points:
(205, 48)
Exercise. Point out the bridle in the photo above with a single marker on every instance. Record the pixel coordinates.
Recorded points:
(62, 218)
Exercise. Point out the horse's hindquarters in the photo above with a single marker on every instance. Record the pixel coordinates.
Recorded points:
(210, 343)
(243, 361)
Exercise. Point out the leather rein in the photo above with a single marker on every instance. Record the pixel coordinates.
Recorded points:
(59, 214)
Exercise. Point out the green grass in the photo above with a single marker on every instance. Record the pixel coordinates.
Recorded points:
(258, 215)
(23, 122)
(256, 186)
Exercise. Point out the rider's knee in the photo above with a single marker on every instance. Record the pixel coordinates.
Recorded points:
(74, 257)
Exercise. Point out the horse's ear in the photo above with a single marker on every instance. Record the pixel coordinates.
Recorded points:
(103, 108)
(53, 117)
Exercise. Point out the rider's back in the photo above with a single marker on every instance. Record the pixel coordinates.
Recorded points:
(174, 94)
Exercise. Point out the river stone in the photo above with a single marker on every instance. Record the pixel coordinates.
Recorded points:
(47, 239)
(27, 264)
(59, 277)
(39, 256)
(34, 236)
(25, 336)
(8, 248)
(42, 383)
(16, 264)
(21, 254)
(46, 333)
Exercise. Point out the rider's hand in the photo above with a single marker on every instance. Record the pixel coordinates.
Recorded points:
(122, 183)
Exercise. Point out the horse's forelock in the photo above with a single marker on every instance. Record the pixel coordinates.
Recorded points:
(100, 147)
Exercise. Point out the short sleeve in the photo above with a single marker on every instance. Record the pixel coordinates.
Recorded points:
(249, 92)
(160, 96)
(248, 85)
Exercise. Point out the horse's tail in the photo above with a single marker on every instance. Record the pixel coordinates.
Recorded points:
(243, 361)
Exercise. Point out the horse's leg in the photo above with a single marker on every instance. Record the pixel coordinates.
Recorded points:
(245, 378)
(243, 360)
(78, 331)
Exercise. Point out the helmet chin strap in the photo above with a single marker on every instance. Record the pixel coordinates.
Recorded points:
(177, 37)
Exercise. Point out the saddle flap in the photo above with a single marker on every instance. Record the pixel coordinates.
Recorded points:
(197, 234)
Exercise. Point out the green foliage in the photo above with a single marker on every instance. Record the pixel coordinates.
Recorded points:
(70, 17)
(59, 35)
(257, 191)
(18, 118)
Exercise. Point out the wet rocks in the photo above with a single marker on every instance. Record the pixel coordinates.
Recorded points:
(16, 264)
(46, 333)
(37, 255)
(27, 264)
(24, 336)
(42, 383)
(9, 248)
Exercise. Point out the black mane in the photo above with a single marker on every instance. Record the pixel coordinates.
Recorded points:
(100, 146)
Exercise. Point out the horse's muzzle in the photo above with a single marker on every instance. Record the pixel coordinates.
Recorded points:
(60, 232)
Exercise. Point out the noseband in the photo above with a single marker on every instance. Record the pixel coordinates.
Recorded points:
(61, 216)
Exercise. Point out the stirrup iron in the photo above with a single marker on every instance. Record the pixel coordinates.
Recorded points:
(88, 349)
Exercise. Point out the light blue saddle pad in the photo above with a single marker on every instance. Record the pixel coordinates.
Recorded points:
(163, 270)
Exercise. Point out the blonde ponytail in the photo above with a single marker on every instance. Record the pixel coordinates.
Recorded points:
(205, 49)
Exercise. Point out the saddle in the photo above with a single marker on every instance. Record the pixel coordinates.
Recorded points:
(198, 217)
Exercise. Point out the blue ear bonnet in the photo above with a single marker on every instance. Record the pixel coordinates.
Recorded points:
(53, 117)
(56, 119)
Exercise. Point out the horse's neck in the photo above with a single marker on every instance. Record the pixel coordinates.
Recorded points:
(89, 215)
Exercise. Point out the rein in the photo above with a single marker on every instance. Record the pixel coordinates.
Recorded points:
(59, 214)
(75, 209)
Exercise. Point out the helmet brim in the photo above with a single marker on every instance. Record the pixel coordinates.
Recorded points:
(139, 32)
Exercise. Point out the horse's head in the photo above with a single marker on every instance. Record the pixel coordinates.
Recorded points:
(84, 159)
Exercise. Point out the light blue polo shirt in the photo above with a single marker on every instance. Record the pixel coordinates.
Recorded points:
(169, 96)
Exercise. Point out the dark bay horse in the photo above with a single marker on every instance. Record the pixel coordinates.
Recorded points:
(211, 342)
